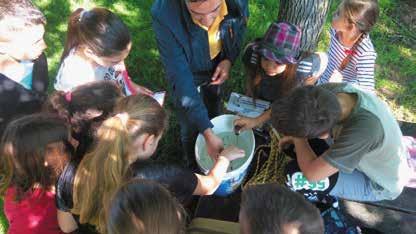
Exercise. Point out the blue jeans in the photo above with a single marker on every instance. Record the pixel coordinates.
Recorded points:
(358, 187)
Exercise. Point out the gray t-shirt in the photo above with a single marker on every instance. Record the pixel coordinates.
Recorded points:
(370, 141)
(361, 133)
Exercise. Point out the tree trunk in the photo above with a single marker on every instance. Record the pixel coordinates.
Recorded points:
(309, 15)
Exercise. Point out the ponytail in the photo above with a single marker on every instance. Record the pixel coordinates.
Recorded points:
(72, 36)
(99, 29)
(101, 172)
(99, 95)
(58, 104)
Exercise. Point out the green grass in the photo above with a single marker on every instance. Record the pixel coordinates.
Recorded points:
(396, 62)
(3, 221)
(395, 44)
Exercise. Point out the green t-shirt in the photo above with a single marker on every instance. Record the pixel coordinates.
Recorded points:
(370, 140)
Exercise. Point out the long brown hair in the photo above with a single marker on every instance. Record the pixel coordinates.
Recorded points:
(102, 170)
(24, 146)
(97, 95)
(99, 29)
(363, 14)
(271, 208)
(254, 77)
(144, 206)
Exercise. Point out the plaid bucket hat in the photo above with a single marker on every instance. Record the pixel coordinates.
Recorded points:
(280, 43)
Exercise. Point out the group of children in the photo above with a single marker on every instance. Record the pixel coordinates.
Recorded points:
(77, 160)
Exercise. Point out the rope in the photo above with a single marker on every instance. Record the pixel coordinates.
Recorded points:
(273, 169)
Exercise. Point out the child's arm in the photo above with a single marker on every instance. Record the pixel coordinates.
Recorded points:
(365, 70)
(246, 123)
(209, 183)
(138, 88)
(313, 167)
(311, 80)
(66, 221)
(336, 77)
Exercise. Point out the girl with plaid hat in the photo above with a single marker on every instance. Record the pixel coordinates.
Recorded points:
(272, 63)
(351, 53)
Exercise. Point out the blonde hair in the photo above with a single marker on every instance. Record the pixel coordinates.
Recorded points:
(101, 171)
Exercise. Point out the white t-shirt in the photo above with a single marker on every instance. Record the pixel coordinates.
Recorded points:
(74, 71)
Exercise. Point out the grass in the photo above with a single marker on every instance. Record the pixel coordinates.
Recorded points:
(394, 40)
(3, 220)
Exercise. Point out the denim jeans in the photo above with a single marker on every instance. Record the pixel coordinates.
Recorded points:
(358, 187)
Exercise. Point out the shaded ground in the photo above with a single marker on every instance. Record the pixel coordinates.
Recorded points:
(394, 38)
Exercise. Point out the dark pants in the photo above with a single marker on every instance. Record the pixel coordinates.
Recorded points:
(211, 96)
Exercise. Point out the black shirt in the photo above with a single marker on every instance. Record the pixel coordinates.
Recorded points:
(64, 193)
(16, 100)
(181, 182)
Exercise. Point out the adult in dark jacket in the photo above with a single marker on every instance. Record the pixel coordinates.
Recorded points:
(198, 41)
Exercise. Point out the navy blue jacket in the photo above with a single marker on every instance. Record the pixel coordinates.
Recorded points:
(184, 52)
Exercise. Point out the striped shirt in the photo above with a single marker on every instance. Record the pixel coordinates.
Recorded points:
(359, 71)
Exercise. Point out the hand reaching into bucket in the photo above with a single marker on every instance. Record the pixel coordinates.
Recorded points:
(207, 184)
(232, 153)
(214, 144)
(245, 123)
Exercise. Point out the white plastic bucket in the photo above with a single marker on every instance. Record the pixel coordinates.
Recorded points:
(224, 128)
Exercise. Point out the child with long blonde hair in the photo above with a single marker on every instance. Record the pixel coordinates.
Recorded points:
(131, 134)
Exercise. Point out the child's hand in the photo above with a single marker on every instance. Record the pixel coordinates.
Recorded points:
(221, 73)
(232, 153)
(336, 77)
(245, 123)
(285, 141)
(214, 144)
(311, 80)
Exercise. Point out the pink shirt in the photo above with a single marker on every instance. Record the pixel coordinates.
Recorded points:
(36, 213)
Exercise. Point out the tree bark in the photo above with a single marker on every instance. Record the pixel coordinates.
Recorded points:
(309, 15)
